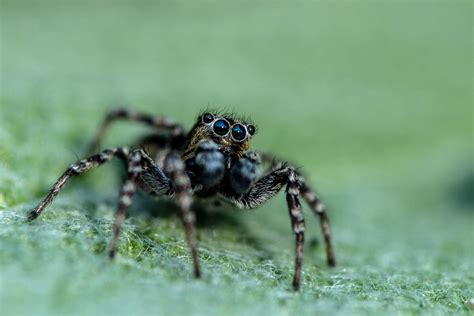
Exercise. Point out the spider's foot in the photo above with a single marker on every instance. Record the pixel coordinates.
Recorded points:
(332, 262)
(32, 215)
(296, 286)
(112, 254)
(197, 273)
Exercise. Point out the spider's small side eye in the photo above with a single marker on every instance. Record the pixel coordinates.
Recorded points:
(238, 132)
(251, 129)
(207, 118)
(221, 127)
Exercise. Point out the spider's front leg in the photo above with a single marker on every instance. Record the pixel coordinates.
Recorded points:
(176, 170)
(297, 224)
(135, 166)
(319, 209)
(314, 202)
(77, 169)
(266, 188)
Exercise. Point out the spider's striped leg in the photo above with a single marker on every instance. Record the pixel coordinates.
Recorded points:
(314, 203)
(297, 224)
(319, 209)
(74, 170)
(175, 169)
(135, 167)
(260, 192)
(264, 189)
(129, 115)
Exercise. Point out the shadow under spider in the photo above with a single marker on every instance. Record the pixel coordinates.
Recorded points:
(209, 214)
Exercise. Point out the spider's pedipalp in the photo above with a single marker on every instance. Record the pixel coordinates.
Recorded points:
(244, 172)
(208, 163)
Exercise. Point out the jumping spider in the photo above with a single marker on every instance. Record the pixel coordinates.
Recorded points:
(213, 159)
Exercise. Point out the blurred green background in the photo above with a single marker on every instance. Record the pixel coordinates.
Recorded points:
(372, 99)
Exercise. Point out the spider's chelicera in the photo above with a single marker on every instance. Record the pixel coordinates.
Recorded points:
(212, 159)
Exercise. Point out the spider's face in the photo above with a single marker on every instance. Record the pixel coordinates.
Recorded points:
(226, 131)
(231, 134)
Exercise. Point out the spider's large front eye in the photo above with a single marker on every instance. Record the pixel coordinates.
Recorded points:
(238, 132)
(207, 118)
(221, 127)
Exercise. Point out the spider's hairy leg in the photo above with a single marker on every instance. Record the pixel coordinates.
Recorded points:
(244, 172)
(176, 170)
(135, 167)
(267, 187)
(319, 209)
(132, 116)
(208, 163)
(74, 170)
(297, 224)
(261, 191)
(314, 203)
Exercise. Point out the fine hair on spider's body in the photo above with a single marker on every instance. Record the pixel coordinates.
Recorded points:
(212, 159)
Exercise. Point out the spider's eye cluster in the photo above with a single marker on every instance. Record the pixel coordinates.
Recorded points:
(221, 127)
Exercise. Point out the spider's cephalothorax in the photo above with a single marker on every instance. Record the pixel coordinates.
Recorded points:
(213, 159)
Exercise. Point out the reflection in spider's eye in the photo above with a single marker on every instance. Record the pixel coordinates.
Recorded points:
(221, 127)
(207, 118)
(251, 129)
(238, 132)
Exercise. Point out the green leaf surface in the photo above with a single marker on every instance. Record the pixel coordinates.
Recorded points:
(372, 99)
